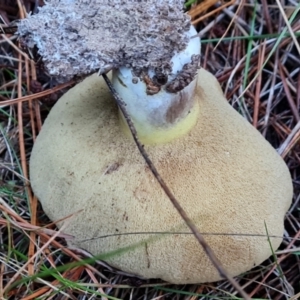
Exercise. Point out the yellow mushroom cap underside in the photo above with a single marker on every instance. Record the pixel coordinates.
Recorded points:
(226, 176)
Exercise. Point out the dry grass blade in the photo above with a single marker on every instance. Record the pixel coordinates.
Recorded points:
(8, 29)
(204, 6)
(291, 141)
(38, 95)
(30, 260)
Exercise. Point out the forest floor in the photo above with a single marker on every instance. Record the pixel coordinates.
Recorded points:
(253, 49)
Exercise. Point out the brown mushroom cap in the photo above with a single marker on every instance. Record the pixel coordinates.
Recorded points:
(223, 172)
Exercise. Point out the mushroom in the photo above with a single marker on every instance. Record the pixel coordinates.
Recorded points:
(162, 104)
(226, 176)
(229, 180)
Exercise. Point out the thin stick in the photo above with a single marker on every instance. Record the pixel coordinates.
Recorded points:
(37, 95)
(4, 29)
(215, 261)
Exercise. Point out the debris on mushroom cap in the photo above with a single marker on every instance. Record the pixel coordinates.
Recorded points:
(77, 37)
(227, 177)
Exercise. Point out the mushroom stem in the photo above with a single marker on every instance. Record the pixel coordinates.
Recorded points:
(162, 108)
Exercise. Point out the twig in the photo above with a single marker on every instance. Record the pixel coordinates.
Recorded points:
(8, 29)
(37, 95)
(290, 141)
(215, 261)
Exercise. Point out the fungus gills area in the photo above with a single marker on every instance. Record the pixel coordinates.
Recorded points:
(77, 37)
